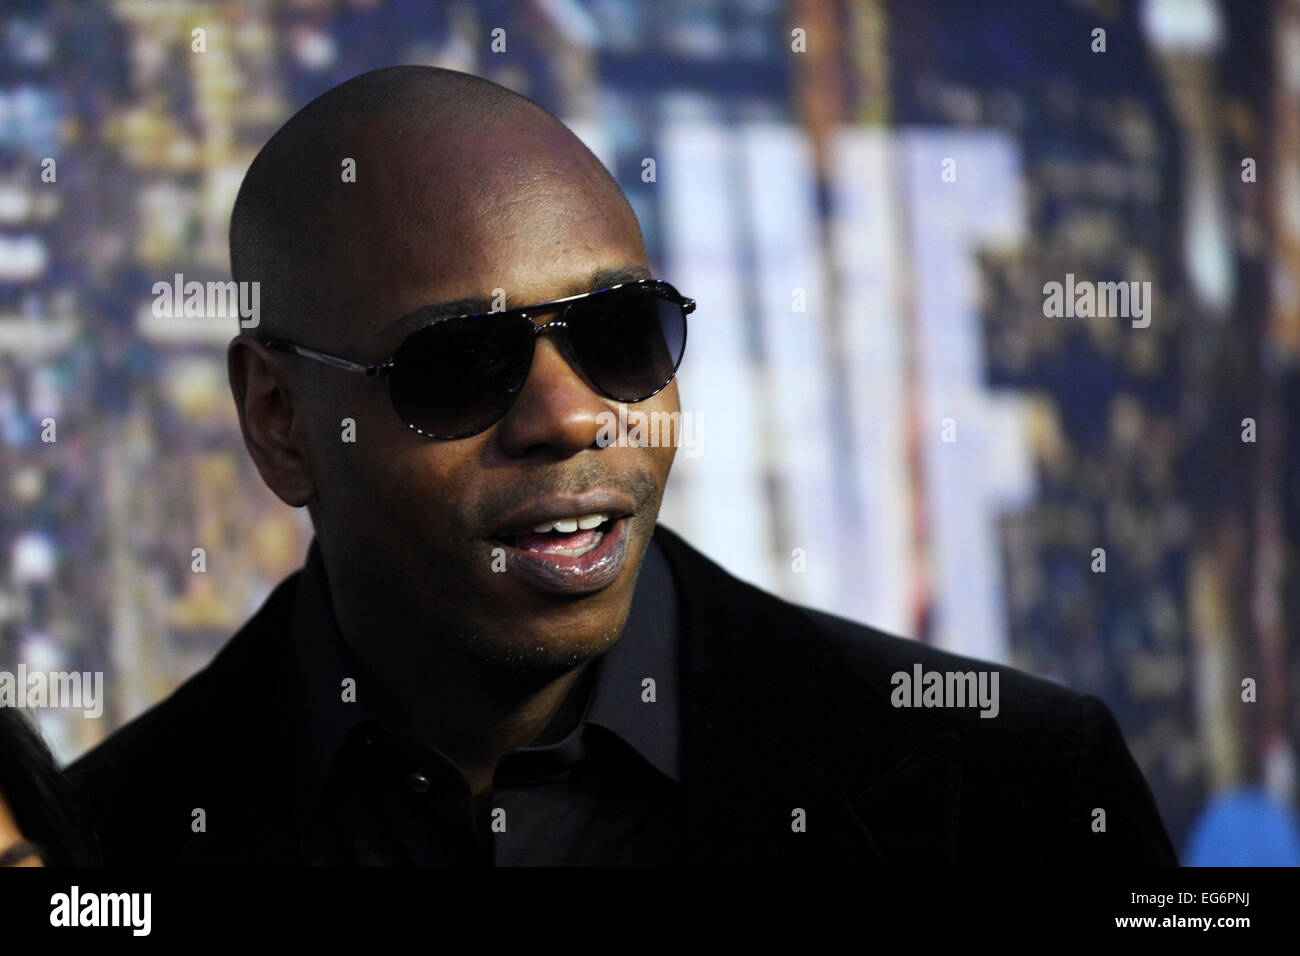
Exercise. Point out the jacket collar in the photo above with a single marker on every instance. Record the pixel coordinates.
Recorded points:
(777, 721)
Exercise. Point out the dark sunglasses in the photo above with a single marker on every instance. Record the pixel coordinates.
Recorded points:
(458, 376)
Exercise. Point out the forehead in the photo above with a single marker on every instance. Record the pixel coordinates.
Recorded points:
(460, 213)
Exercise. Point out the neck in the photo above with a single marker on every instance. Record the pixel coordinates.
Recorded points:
(468, 711)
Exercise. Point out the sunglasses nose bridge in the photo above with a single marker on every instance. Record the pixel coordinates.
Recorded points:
(546, 327)
(560, 310)
(560, 327)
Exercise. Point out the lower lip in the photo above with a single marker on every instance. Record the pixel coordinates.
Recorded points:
(584, 574)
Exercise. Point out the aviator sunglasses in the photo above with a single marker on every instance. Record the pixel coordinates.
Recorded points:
(458, 376)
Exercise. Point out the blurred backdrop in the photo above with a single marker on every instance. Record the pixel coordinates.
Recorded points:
(866, 198)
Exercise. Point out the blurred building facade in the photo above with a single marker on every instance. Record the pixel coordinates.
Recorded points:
(889, 426)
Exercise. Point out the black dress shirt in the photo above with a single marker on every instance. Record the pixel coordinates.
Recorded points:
(610, 792)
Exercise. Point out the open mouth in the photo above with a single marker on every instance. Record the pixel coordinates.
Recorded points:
(572, 555)
(566, 537)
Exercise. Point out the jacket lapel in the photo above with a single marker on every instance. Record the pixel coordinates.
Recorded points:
(776, 722)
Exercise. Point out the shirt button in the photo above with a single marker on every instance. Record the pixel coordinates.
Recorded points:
(417, 782)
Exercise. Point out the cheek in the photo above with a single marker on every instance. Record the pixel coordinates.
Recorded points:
(672, 432)
(373, 472)
(349, 417)
(421, 487)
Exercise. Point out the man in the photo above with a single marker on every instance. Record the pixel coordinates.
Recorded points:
(493, 654)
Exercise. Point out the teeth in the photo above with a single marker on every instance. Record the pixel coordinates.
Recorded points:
(575, 552)
(570, 525)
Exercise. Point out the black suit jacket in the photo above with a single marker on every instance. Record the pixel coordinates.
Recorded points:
(785, 710)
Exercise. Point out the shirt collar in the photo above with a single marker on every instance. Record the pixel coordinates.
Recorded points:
(645, 716)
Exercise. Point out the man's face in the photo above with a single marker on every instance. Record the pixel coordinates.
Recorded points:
(415, 530)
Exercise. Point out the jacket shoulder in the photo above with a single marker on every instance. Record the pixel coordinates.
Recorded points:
(813, 651)
(1027, 756)
(141, 784)
(887, 663)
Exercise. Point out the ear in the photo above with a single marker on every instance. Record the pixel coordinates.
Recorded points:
(273, 431)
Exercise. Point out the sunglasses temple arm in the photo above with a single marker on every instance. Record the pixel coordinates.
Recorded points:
(325, 357)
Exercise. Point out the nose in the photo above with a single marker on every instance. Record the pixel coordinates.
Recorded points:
(556, 410)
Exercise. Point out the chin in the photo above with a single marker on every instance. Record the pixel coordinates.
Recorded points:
(534, 664)
(540, 654)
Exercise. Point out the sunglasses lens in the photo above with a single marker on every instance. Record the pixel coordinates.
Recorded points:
(629, 342)
(455, 378)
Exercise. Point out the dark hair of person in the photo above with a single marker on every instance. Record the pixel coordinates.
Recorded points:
(41, 800)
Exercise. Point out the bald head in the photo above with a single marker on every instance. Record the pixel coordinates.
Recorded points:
(443, 162)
